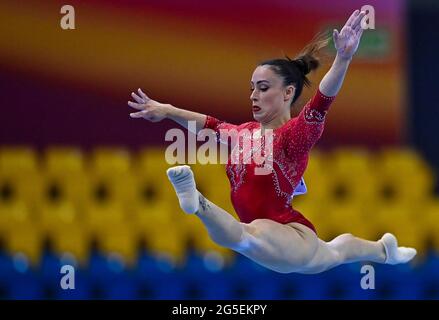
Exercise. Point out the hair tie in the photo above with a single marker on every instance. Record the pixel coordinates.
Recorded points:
(302, 65)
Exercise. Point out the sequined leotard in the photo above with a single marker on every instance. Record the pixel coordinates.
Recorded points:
(268, 196)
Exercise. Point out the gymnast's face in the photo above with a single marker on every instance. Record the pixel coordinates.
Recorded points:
(270, 98)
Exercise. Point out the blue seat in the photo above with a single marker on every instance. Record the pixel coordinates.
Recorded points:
(430, 290)
(99, 270)
(337, 283)
(429, 276)
(243, 266)
(6, 268)
(159, 279)
(264, 288)
(398, 282)
(219, 287)
(307, 287)
(18, 280)
(26, 286)
(83, 288)
(110, 278)
(257, 282)
(6, 272)
(121, 287)
(49, 269)
(344, 282)
(205, 283)
(245, 275)
(173, 287)
(50, 273)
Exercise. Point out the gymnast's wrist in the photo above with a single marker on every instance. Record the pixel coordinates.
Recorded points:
(170, 110)
(343, 59)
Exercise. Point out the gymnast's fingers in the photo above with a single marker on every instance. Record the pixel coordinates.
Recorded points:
(137, 98)
(139, 114)
(135, 105)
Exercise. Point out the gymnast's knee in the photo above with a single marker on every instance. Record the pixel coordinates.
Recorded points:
(341, 246)
(343, 240)
(233, 241)
(245, 243)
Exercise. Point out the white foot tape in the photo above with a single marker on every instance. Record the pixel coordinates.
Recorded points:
(395, 254)
(182, 178)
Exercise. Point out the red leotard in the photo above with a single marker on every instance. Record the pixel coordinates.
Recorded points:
(269, 196)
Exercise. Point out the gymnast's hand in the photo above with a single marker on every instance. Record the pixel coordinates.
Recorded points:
(149, 109)
(347, 41)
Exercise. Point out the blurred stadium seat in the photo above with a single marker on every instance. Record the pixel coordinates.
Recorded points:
(115, 215)
(23, 237)
(65, 177)
(19, 175)
(403, 175)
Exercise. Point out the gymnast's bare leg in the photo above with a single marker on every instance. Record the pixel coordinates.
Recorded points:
(283, 248)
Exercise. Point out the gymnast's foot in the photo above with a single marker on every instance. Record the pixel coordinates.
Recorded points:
(395, 254)
(183, 181)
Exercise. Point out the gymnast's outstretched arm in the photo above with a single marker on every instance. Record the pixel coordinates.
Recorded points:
(346, 43)
(155, 111)
(309, 126)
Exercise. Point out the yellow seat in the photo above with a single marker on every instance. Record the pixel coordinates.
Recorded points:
(64, 161)
(405, 173)
(54, 216)
(413, 235)
(350, 161)
(421, 218)
(98, 218)
(147, 218)
(373, 228)
(316, 162)
(18, 160)
(213, 183)
(107, 189)
(400, 219)
(19, 175)
(72, 239)
(24, 236)
(342, 175)
(317, 212)
(14, 213)
(151, 162)
(345, 187)
(430, 221)
(402, 160)
(57, 187)
(20, 187)
(311, 209)
(107, 160)
(343, 215)
(317, 180)
(149, 190)
(150, 173)
(168, 239)
(400, 188)
(332, 218)
(120, 239)
(110, 176)
(65, 178)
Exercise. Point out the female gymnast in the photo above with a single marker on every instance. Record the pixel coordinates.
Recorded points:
(271, 232)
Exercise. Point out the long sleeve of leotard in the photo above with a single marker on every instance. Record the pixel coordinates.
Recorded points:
(218, 125)
(306, 129)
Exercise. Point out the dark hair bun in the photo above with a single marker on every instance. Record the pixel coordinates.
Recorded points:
(302, 65)
(306, 64)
